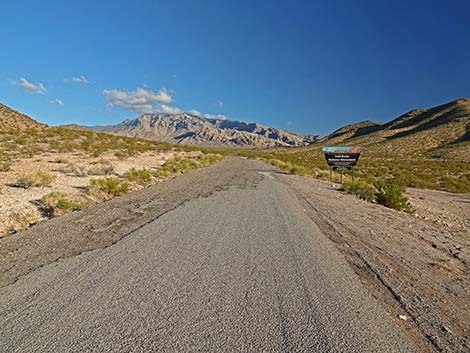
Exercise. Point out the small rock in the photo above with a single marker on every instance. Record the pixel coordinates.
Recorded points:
(403, 317)
(434, 245)
(446, 329)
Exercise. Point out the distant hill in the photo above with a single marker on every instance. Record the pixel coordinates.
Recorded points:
(12, 120)
(74, 127)
(442, 131)
(185, 128)
(354, 130)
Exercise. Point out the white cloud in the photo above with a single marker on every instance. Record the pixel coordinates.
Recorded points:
(56, 101)
(141, 100)
(78, 79)
(162, 108)
(216, 116)
(289, 123)
(194, 112)
(37, 88)
(220, 103)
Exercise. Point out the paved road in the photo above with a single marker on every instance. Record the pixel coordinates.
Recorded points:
(243, 270)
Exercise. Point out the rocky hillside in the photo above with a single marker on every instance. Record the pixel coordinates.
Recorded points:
(185, 128)
(12, 120)
(442, 131)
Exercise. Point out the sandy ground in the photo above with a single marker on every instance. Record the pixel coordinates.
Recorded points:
(442, 208)
(418, 265)
(19, 206)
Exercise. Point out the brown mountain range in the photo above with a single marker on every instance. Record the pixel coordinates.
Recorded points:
(195, 130)
(442, 131)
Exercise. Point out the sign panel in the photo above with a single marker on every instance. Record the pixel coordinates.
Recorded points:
(341, 167)
(342, 156)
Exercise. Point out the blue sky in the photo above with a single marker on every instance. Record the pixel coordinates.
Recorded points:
(308, 66)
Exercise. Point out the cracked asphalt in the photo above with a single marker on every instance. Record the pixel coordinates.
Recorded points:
(242, 270)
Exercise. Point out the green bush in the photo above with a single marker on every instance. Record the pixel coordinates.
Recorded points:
(138, 176)
(278, 163)
(391, 195)
(36, 179)
(106, 188)
(298, 169)
(58, 203)
(210, 158)
(361, 189)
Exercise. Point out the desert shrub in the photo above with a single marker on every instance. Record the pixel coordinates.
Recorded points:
(177, 165)
(75, 169)
(361, 189)
(278, 163)
(121, 154)
(391, 195)
(36, 179)
(298, 169)
(102, 167)
(138, 176)
(20, 221)
(5, 167)
(210, 158)
(453, 184)
(58, 203)
(105, 188)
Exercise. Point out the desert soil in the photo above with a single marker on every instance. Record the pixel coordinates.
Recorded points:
(19, 207)
(417, 264)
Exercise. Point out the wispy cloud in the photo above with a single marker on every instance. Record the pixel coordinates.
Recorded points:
(78, 79)
(37, 88)
(56, 101)
(194, 112)
(215, 116)
(141, 100)
(289, 123)
(162, 108)
(219, 103)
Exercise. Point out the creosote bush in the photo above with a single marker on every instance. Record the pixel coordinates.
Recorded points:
(180, 165)
(298, 169)
(361, 189)
(391, 195)
(387, 194)
(58, 203)
(138, 176)
(106, 188)
(36, 179)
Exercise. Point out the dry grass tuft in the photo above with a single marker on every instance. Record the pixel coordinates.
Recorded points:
(58, 203)
(35, 180)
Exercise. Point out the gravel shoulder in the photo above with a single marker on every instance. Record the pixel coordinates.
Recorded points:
(417, 265)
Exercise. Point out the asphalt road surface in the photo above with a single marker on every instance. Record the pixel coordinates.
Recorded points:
(243, 270)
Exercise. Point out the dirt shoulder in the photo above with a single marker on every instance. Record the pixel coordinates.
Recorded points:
(110, 221)
(72, 172)
(418, 265)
